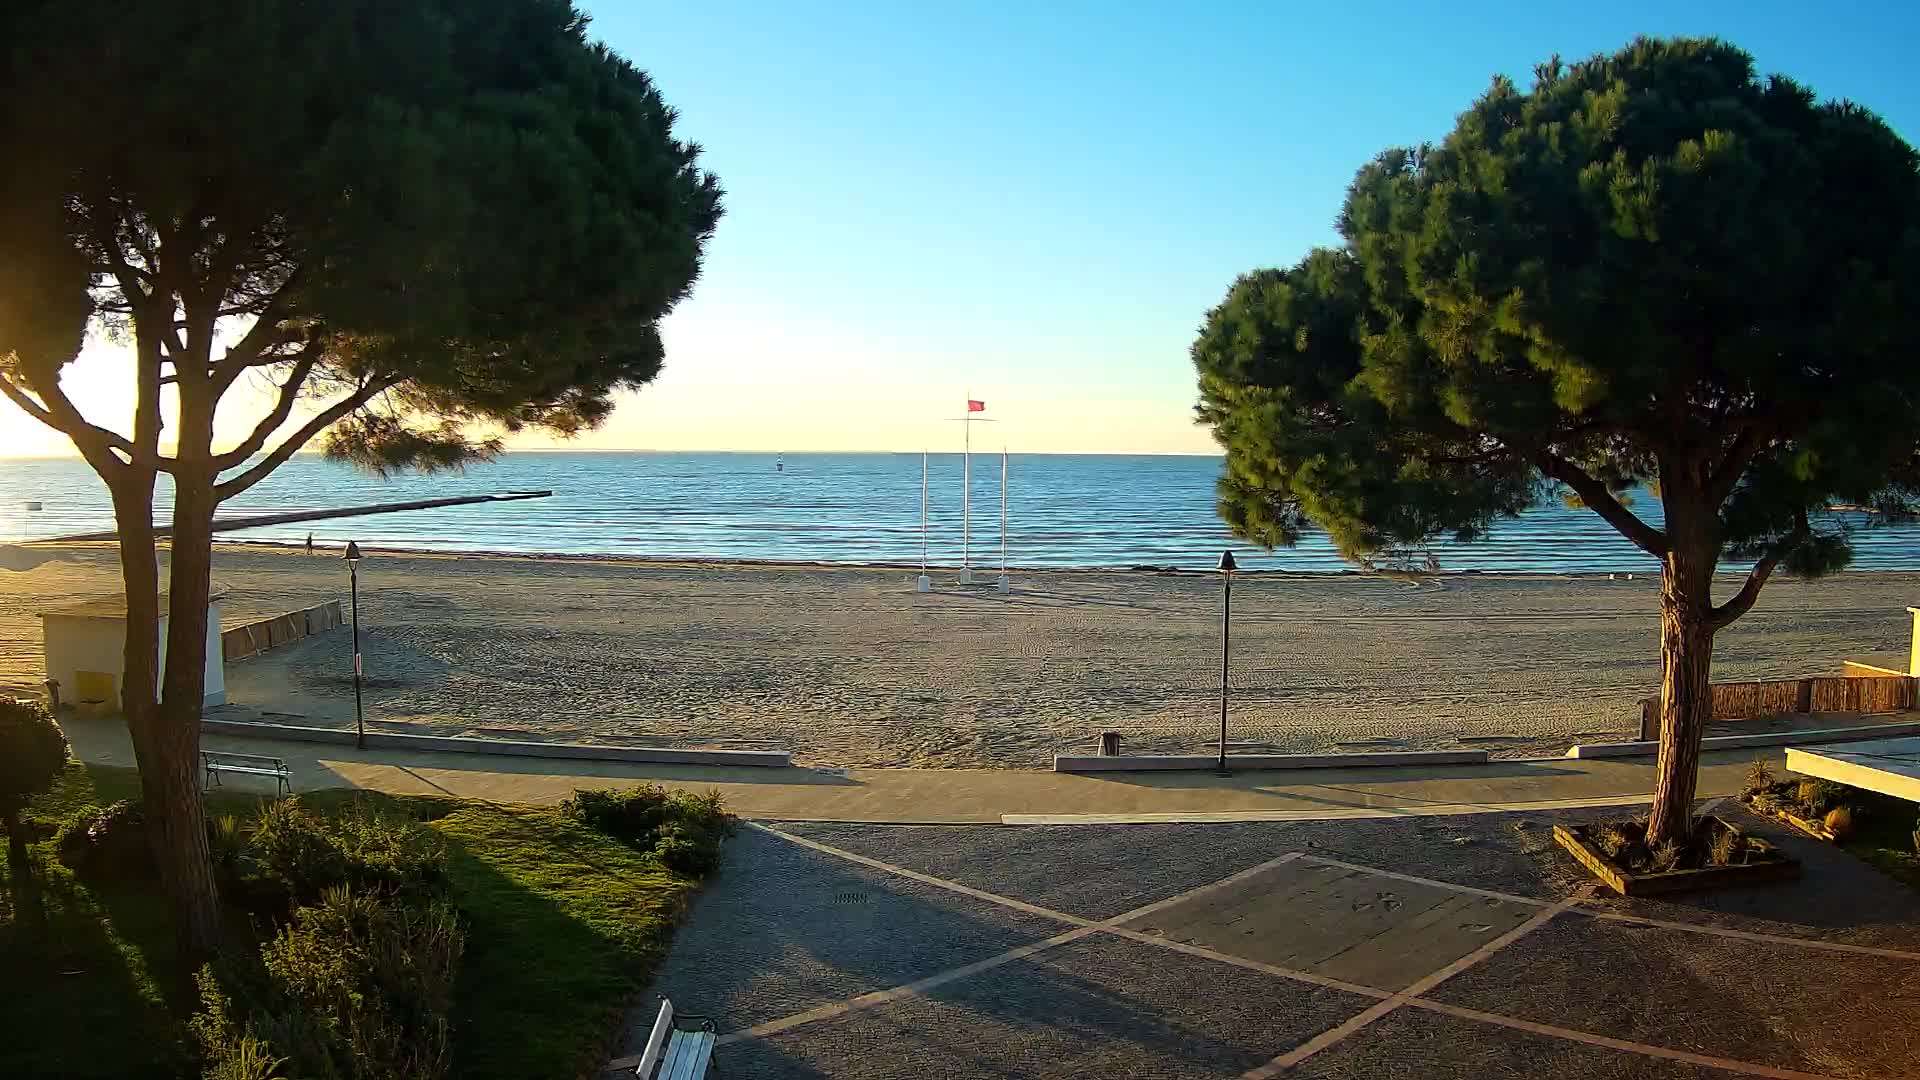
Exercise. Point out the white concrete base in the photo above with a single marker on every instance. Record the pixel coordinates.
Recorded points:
(1356, 813)
(1004, 586)
(1888, 766)
(577, 751)
(966, 576)
(1651, 747)
(923, 583)
(1074, 763)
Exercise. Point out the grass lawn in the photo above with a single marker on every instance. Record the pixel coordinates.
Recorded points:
(564, 926)
(1883, 835)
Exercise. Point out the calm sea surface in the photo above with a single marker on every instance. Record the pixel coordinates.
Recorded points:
(1063, 510)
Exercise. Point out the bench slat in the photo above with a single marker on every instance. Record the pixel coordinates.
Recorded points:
(691, 1051)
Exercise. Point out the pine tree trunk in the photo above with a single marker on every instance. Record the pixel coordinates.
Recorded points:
(1686, 690)
(181, 839)
(166, 743)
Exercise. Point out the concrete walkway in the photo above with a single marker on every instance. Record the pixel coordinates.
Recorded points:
(945, 796)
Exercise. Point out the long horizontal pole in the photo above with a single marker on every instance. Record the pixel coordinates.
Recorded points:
(230, 524)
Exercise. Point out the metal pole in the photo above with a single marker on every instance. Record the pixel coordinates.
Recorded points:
(1226, 607)
(923, 511)
(359, 715)
(1003, 511)
(966, 495)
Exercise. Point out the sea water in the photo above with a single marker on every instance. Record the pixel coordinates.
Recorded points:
(1062, 511)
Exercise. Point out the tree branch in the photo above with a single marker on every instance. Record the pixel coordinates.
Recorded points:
(1601, 501)
(1742, 601)
(282, 408)
(60, 414)
(1725, 475)
(229, 488)
(265, 333)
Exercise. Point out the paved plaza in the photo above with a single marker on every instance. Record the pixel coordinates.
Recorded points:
(1415, 948)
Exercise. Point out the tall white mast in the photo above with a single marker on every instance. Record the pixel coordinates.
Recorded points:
(1004, 584)
(966, 496)
(923, 583)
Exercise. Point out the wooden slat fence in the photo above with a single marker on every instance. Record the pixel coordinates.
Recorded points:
(1773, 697)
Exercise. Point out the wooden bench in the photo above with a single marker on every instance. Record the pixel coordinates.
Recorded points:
(674, 1052)
(219, 761)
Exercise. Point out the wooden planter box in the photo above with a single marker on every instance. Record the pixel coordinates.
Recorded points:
(1770, 865)
(1816, 829)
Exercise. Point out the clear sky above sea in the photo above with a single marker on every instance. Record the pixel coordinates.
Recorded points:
(1036, 203)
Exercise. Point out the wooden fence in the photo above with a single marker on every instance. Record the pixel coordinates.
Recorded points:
(1863, 693)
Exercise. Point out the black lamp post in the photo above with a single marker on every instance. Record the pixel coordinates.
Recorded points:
(1227, 567)
(359, 715)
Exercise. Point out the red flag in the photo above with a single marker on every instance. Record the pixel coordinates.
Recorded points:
(976, 406)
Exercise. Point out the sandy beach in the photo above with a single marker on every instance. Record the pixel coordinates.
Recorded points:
(850, 667)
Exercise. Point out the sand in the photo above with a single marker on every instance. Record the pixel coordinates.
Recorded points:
(850, 667)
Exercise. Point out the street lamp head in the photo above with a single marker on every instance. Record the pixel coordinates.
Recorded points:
(353, 552)
(1227, 565)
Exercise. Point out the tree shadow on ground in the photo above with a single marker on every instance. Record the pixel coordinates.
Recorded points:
(564, 926)
(92, 984)
(782, 930)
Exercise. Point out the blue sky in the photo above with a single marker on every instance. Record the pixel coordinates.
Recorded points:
(1038, 202)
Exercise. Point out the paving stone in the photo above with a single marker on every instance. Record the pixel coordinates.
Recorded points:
(1099, 1007)
(1412, 1044)
(1094, 871)
(1778, 1005)
(781, 929)
(1329, 920)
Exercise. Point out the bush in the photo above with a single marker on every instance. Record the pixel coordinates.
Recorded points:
(106, 842)
(358, 985)
(682, 830)
(1839, 822)
(1727, 845)
(1808, 794)
(1759, 776)
(33, 754)
(302, 854)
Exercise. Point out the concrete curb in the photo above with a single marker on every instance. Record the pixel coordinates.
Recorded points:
(1650, 748)
(1069, 763)
(381, 740)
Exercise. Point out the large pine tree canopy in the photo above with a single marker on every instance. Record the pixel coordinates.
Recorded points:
(1650, 268)
(460, 213)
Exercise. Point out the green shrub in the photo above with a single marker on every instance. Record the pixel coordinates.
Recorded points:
(106, 842)
(1727, 846)
(302, 854)
(633, 815)
(358, 985)
(226, 842)
(1665, 857)
(682, 830)
(1807, 794)
(33, 754)
(1839, 822)
(1759, 776)
(1610, 838)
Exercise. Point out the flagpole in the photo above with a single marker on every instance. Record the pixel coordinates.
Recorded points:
(923, 583)
(966, 497)
(1004, 584)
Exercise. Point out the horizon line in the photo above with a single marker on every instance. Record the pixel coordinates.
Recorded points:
(764, 453)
